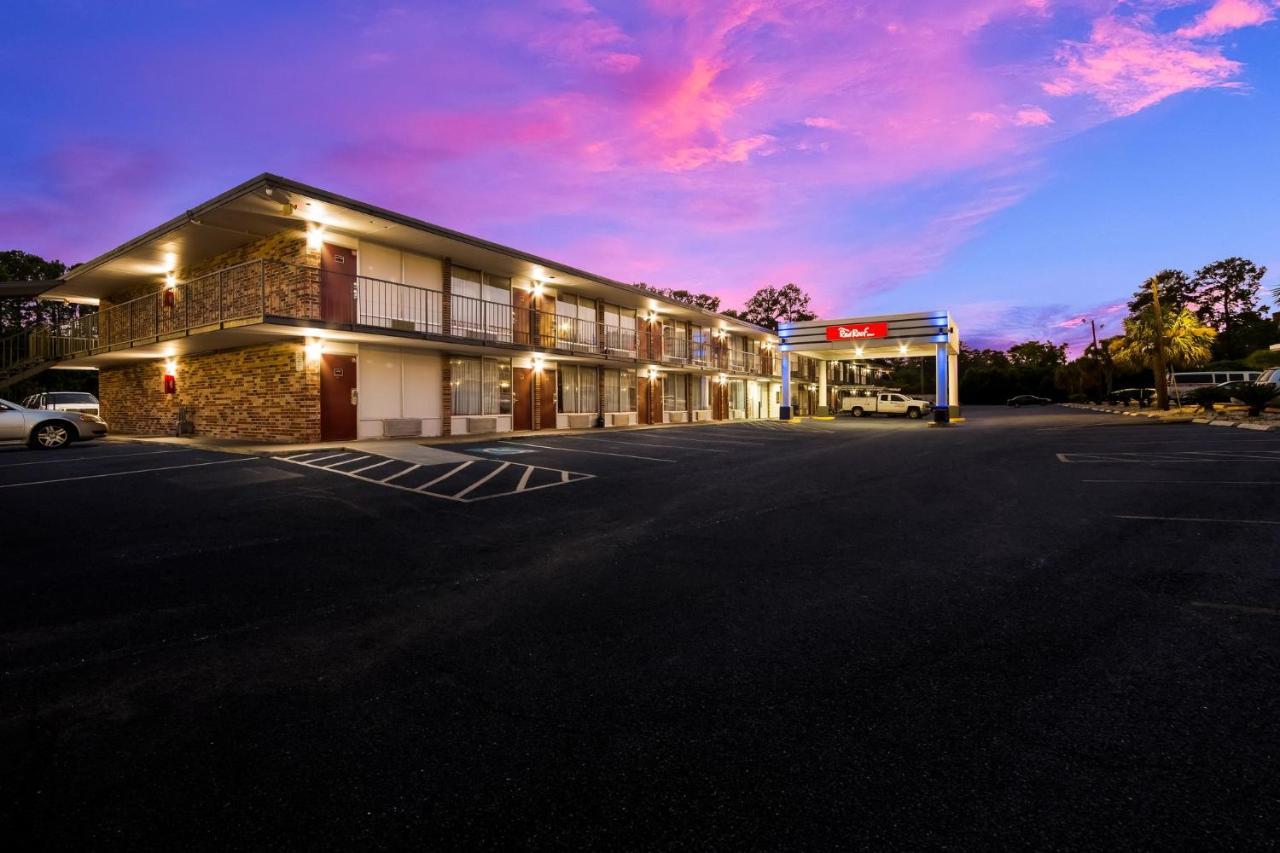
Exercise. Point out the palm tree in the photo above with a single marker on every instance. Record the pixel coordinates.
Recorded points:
(1187, 341)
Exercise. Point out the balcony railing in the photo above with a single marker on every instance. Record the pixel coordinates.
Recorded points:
(265, 290)
(675, 348)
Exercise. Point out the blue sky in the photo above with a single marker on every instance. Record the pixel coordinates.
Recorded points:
(1024, 163)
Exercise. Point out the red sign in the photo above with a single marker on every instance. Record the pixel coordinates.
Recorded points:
(857, 332)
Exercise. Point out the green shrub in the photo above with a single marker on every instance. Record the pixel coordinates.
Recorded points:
(1263, 358)
(1256, 395)
(1077, 398)
(1206, 397)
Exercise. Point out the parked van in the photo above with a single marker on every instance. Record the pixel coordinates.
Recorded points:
(64, 401)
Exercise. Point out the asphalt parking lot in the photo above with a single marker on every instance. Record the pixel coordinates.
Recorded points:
(1044, 628)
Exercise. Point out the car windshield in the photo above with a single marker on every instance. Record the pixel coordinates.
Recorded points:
(72, 397)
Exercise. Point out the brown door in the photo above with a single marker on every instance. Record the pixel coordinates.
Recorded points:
(337, 284)
(337, 397)
(521, 302)
(655, 407)
(547, 399)
(642, 400)
(521, 397)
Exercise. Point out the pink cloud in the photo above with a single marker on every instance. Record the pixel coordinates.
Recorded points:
(1128, 64)
(1227, 15)
(1032, 117)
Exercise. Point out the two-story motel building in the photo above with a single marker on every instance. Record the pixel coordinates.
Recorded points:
(282, 312)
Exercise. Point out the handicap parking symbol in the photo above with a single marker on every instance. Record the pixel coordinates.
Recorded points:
(504, 451)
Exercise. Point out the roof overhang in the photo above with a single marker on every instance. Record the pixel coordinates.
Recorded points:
(270, 204)
(25, 289)
(886, 336)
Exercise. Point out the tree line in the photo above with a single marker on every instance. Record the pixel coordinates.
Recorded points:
(1215, 319)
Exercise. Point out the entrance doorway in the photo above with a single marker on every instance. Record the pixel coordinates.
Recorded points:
(546, 399)
(521, 397)
(337, 397)
(337, 284)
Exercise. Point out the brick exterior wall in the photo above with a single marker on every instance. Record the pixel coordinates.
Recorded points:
(254, 392)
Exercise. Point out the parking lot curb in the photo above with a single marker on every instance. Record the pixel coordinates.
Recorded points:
(1222, 423)
(1260, 427)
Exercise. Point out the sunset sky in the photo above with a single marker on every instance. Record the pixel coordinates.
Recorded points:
(1024, 163)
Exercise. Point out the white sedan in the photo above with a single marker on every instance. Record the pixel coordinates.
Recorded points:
(47, 430)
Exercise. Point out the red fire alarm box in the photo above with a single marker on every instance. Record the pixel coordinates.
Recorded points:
(168, 297)
(170, 384)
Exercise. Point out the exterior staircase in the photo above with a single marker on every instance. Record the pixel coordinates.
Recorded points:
(25, 353)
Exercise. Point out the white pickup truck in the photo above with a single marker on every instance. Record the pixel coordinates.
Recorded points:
(884, 403)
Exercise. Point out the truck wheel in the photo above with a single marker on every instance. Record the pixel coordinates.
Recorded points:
(857, 412)
(913, 413)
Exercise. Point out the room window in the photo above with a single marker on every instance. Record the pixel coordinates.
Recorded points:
(620, 328)
(481, 386)
(673, 392)
(578, 390)
(619, 390)
(575, 320)
(698, 396)
(480, 304)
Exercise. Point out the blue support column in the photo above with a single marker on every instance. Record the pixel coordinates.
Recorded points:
(784, 412)
(942, 389)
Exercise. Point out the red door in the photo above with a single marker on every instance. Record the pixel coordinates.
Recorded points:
(521, 397)
(547, 399)
(337, 397)
(337, 284)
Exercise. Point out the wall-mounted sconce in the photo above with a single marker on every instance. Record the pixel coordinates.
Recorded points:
(315, 236)
(315, 349)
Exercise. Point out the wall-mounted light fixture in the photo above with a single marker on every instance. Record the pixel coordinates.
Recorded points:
(537, 289)
(315, 236)
(722, 379)
(537, 363)
(315, 349)
(171, 376)
(653, 372)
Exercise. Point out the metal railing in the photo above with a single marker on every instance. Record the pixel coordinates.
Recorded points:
(262, 290)
(675, 347)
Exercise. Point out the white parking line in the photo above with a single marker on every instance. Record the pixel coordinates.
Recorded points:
(443, 476)
(486, 478)
(408, 470)
(127, 473)
(1191, 482)
(705, 440)
(345, 461)
(592, 452)
(1200, 520)
(649, 444)
(365, 468)
(95, 458)
(321, 459)
(524, 479)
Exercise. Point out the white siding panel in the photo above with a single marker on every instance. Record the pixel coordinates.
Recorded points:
(422, 271)
(380, 262)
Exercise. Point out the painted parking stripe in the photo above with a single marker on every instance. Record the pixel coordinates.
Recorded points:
(323, 458)
(443, 476)
(562, 449)
(399, 474)
(97, 457)
(486, 478)
(377, 464)
(704, 440)
(1197, 520)
(346, 462)
(127, 473)
(648, 444)
(522, 477)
